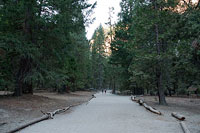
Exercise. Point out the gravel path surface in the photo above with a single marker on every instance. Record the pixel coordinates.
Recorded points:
(107, 113)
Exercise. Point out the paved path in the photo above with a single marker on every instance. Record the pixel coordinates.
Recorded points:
(107, 114)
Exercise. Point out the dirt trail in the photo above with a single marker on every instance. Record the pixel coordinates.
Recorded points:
(106, 114)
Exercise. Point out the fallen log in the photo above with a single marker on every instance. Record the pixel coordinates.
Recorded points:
(178, 116)
(184, 127)
(151, 109)
(145, 105)
(44, 117)
(154, 110)
(48, 115)
(133, 98)
(140, 102)
(93, 96)
(58, 111)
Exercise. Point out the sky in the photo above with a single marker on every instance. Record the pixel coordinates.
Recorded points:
(101, 14)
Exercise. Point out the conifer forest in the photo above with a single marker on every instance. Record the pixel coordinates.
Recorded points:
(100, 66)
(154, 48)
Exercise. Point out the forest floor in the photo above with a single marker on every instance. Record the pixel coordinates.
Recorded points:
(189, 107)
(15, 111)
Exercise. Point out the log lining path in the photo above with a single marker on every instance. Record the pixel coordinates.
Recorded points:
(107, 113)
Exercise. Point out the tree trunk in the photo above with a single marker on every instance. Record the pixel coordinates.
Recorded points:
(110, 83)
(22, 87)
(114, 90)
(170, 92)
(147, 91)
(161, 94)
(26, 63)
(18, 87)
(19, 77)
(27, 88)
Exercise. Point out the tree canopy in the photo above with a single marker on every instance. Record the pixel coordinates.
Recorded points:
(43, 44)
(156, 47)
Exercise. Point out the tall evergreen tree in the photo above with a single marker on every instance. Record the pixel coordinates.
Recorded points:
(40, 41)
(153, 46)
(98, 57)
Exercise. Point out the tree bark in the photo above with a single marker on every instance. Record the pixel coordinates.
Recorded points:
(114, 90)
(26, 62)
(22, 87)
(18, 86)
(178, 116)
(142, 103)
(151, 109)
(161, 94)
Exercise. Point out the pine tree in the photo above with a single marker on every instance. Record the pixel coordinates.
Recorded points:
(40, 41)
(98, 57)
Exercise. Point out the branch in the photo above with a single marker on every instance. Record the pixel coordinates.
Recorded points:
(189, 2)
(186, 3)
(197, 4)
